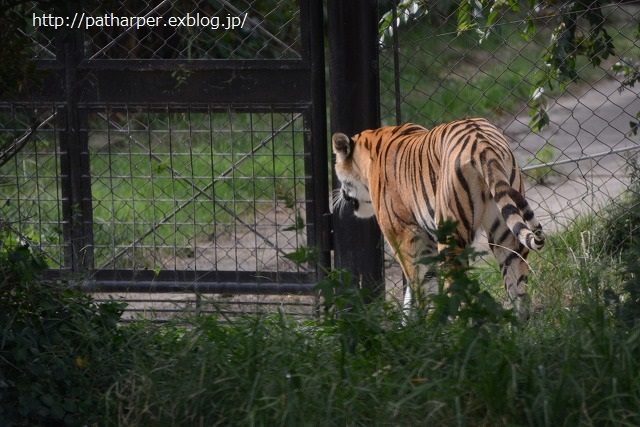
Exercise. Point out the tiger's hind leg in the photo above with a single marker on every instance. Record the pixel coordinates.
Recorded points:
(512, 259)
(425, 278)
(410, 247)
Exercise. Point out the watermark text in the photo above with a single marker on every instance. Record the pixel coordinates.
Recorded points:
(85, 21)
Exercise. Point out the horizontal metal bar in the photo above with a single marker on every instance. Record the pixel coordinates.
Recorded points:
(180, 64)
(225, 315)
(251, 86)
(205, 302)
(199, 287)
(169, 107)
(579, 159)
(183, 276)
(210, 107)
(188, 65)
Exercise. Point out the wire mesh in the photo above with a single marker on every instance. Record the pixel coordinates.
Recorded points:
(432, 71)
(217, 192)
(41, 37)
(30, 193)
(183, 29)
(197, 190)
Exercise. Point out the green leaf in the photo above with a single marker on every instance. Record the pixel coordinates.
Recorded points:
(465, 21)
(299, 225)
(302, 255)
(539, 118)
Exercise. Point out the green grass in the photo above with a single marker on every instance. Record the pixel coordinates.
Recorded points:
(573, 363)
(575, 265)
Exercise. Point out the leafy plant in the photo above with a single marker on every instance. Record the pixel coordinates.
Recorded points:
(628, 310)
(461, 299)
(59, 350)
(406, 11)
(617, 233)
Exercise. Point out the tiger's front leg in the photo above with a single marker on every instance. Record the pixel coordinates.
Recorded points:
(422, 276)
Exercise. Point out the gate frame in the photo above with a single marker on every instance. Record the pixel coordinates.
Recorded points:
(74, 84)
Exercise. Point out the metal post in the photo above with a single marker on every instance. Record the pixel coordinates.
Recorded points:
(355, 106)
(311, 12)
(74, 159)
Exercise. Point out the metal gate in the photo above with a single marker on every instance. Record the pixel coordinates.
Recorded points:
(161, 156)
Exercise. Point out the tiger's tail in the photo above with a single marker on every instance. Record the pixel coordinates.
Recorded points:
(515, 210)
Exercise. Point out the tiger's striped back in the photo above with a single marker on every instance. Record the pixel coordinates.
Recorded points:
(412, 178)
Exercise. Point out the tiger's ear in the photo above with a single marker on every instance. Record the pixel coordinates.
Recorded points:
(342, 146)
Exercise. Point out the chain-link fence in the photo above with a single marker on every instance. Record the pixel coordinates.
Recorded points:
(438, 65)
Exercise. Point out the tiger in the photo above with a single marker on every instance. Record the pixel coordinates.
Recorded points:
(412, 179)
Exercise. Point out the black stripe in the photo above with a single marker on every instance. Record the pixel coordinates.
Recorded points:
(494, 226)
(509, 259)
(519, 227)
(509, 210)
(500, 195)
(462, 218)
(504, 236)
(465, 185)
(528, 215)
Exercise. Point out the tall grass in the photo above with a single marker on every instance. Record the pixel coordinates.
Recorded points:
(581, 369)
(574, 363)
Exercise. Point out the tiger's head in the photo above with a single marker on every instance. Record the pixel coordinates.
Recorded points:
(353, 161)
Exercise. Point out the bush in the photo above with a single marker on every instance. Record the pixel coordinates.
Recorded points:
(59, 350)
(621, 221)
(617, 235)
